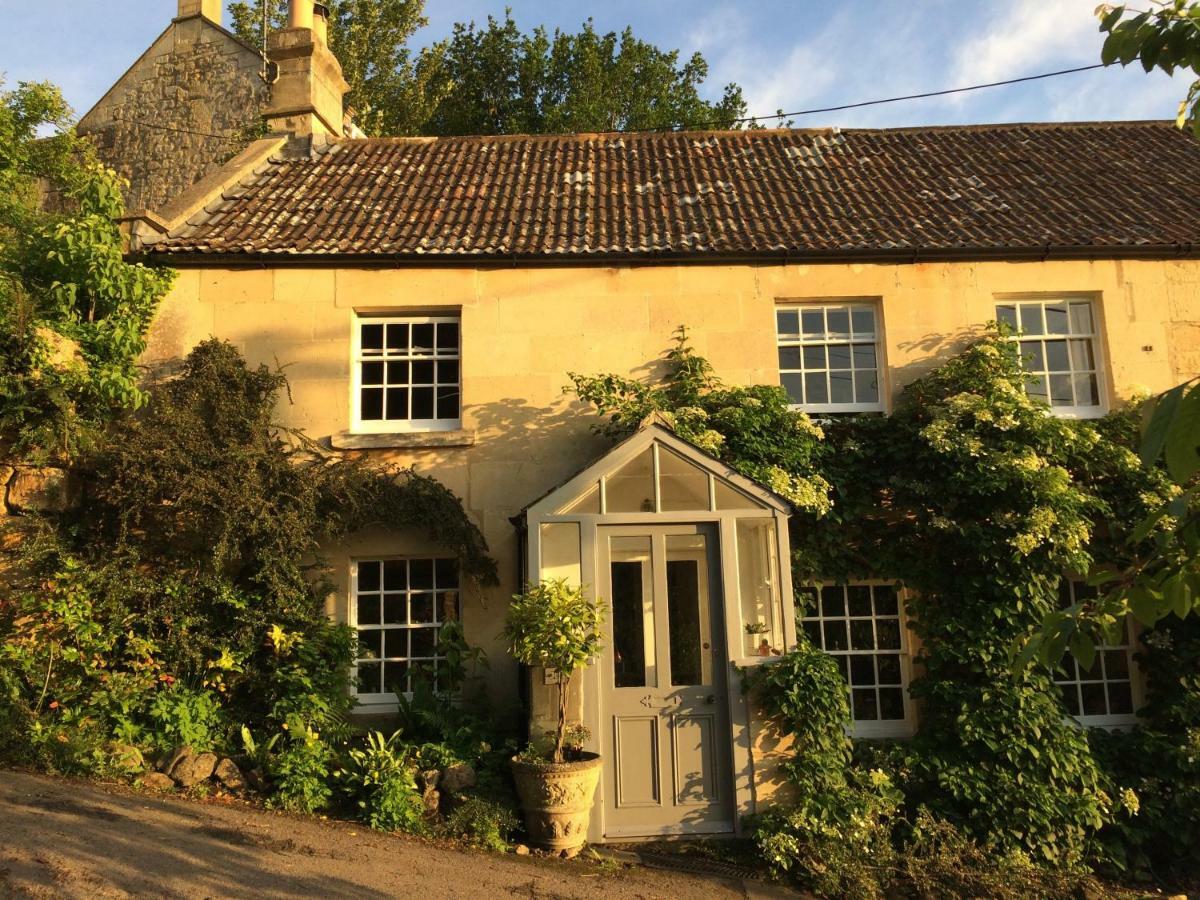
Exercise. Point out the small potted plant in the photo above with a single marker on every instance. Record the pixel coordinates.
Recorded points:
(554, 625)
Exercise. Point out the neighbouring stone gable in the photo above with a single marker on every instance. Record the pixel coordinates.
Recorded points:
(200, 87)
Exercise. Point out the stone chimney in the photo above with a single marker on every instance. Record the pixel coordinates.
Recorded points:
(208, 9)
(306, 98)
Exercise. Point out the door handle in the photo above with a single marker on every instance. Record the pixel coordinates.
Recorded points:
(711, 699)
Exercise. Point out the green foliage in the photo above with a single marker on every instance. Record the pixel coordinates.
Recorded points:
(73, 313)
(978, 501)
(1166, 36)
(554, 625)
(187, 597)
(482, 823)
(496, 79)
(752, 429)
(835, 837)
(380, 779)
(180, 716)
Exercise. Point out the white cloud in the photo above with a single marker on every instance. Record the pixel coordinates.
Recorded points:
(1029, 37)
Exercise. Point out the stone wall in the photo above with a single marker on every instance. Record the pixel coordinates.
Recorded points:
(199, 90)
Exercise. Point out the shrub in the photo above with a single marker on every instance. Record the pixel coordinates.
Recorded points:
(380, 779)
(482, 823)
(835, 837)
(555, 626)
(300, 770)
(180, 716)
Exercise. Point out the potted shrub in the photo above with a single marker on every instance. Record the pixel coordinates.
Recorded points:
(554, 625)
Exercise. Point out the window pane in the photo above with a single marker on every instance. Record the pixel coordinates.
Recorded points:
(631, 488)
(1094, 702)
(1007, 315)
(447, 337)
(815, 388)
(395, 609)
(862, 635)
(1056, 319)
(833, 601)
(422, 372)
(447, 403)
(1032, 357)
(864, 356)
(886, 602)
(447, 371)
(758, 585)
(681, 485)
(889, 669)
(835, 636)
(368, 610)
(372, 404)
(865, 707)
(1116, 664)
(789, 357)
(1060, 391)
(1081, 318)
(1120, 699)
(422, 403)
(424, 640)
(1057, 359)
(421, 608)
(397, 403)
(684, 622)
(814, 357)
(372, 338)
(860, 599)
(422, 340)
(794, 385)
(839, 356)
(787, 323)
(369, 678)
(397, 337)
(1031, 318)
(368, 576)
(866, 387)
(813, 322)
(1082, 359)
(372, 373)
(1087, 392)
(1036, 388)
(370, 643)
(395, 677)
(841, 387)
(891, 704)
(862, 670)
(863, 321)
(420, 574)
(629, 640)
(838, 319)
(887, 631)
(398, 373)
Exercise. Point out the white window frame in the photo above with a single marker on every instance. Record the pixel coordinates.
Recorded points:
(387, 699)
(850, 305)
(1075, 411)
(394, 426)
(1136, 695)
(877, 728)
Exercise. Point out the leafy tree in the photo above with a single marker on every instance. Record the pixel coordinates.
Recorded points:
(73, 313)
(496, 79)
(505, 82)
(1166, 36)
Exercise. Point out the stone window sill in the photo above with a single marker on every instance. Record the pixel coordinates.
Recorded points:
(403, 440)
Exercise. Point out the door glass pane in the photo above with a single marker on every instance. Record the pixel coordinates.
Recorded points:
(631, 487)
(687, 610)
(682, 486)
(632, 612)
(758, 581)
(560, 551)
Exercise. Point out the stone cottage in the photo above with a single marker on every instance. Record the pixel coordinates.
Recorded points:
(430, 295)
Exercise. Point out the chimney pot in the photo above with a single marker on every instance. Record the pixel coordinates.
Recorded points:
(300, 14)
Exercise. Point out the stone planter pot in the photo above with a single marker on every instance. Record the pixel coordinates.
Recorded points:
(557, 800)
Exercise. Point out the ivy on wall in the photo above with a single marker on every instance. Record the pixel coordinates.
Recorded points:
(978, 501)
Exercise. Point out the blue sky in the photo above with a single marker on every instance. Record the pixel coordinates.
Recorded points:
(790, 55)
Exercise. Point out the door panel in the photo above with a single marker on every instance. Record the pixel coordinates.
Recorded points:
(664, 732)
(693, 740)
(637, 761)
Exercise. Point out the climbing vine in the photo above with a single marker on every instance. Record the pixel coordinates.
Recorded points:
(978, 501)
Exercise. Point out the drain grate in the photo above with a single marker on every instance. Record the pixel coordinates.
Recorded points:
(695, 865)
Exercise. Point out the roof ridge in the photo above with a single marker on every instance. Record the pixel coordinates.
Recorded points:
(757, 132)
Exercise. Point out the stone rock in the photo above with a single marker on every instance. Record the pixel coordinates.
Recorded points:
(6, 472)
(432, 800)
(40, 490)
(193, 769)
(458, 778)
(430, 778)
(157, 781)
(521, 850)
(230, 776)
(172, 759)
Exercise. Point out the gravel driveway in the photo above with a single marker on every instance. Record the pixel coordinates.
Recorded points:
(61, 838)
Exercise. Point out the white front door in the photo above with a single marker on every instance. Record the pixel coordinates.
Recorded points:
(664, 713)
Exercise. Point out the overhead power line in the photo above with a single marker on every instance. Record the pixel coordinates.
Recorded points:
(177, 130)
(922, 96)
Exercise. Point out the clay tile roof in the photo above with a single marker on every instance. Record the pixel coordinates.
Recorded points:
(986, 190)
